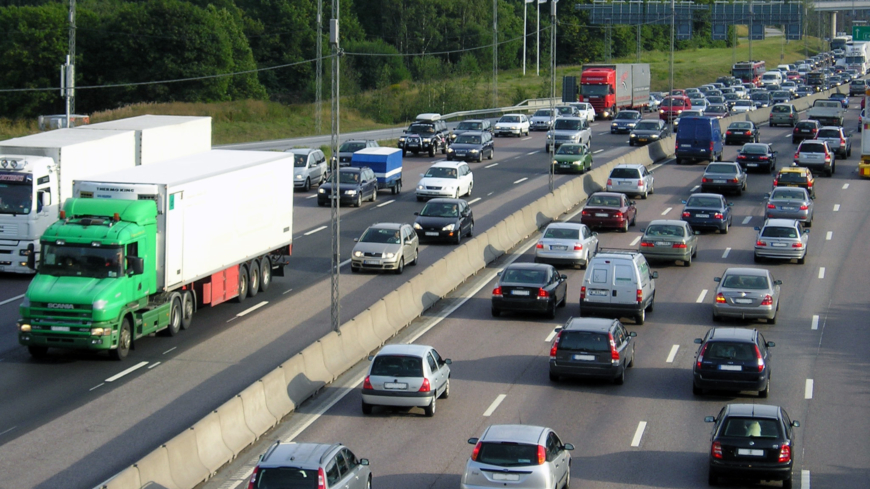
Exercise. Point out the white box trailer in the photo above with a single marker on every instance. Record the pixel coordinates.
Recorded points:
(215, 209)
(162, 137)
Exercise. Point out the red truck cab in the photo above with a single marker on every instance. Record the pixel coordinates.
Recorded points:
(599, 90)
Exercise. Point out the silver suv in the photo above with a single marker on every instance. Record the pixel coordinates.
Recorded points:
(310, 466)
(406, 376)
(631, 179)
(520, 457)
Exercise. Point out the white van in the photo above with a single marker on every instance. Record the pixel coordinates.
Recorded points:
(618, 283)
(771, 77)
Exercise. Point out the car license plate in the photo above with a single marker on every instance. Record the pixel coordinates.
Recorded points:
(599, 292)
(789, 208)
(731, 368)
(663, 243)
(750, 451)
(643, 140)
(565, 164)
(625, 183)
(805, 130)
(558, 248)
(519, 292)
(718, 181)
(752, 165)
(600, 214)
(431, 233)
(370, 262)
(779, 245)
(498, 476)
(702, 215)
(60, 328)
(743, 301)
(413, 144)
(585, 358)
(395, 385)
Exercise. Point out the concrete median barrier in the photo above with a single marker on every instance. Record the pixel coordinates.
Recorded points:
(299, 386)
(234, 430)
(366, 331)
(397, 318)
(423, 289)
(380, 321)
(333, 353)
(185, 466)
(155, 472)
(351, 342)
(213, 452)
(126, 479)
(315, 367)
(504, 237)
(476, 253)
(411, 308)
(257, 415)
(275, 390)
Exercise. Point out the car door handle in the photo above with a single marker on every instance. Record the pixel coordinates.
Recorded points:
(613, 293)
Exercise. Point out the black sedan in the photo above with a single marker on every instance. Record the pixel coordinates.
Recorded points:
(472, 146)
(708, 211)
(354, 185)
(648, 131)
(532, 287)
(752, 441)
(444, 219)
(757, 156)
(741, 132)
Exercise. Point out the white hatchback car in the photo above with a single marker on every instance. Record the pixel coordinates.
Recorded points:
(512, 125)
(451, 179)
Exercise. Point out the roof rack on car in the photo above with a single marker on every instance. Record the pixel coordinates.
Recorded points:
(328, 450)
(270, 450)
(625, 251)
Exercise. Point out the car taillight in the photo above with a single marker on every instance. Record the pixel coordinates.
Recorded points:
(582, 292)
(425, 387)
(797, 245)
(741, 157)
(716, 450)
(253, 482)
(711, 146)
(639, 296)
(555, 345)
(321, 479)
(542, 293)
(617, 214)
(614, 353)
(842, 142)
(718, 215)
(687, 214)
(539, 246)
(728, 132)
(771, 206)
(640, 183)
(720, 298)
(646, 244)
(701, 356)
(704, 180)
(797, 155)
(796, 129)
(578, 246)
(367, 384)
(476, 451)
(760, 360)
(785, 453)
(677, 145)
(774, 182)
(760, 243)
(497, 292)
(809, 183)
(791, 116)
(767, 301)
(542, 455)
(748, 133)
(609, 182)
(679, 245)
(804, 207)
(584, 213)
(763, 158)
(733, 180)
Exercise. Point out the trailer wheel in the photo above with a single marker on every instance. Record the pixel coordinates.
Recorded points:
(187, 309)
(175, 315)
(254, 285)
(243, 284)
(265, 273)
(125, 340)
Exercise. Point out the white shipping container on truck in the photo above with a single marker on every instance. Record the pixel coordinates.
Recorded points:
(162, 137)
(36, 175)
(215, 209)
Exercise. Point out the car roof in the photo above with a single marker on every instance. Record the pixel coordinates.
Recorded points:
(570, 118)
(519, 433)
(400, 349)
(732, 334)
(752, 410)
(825, 127)
(472, 120)
(708, 194)
(472, 133)
(565, 225)
(780, 222)
(668, 222)
(447, 164)
(387, 225)
(301, 151)
(444, 200)
(795, 169)
(760, 272)
(608, 194)
(528, 266)
(351, 169)
(303, 455)
(627, 165)
(589, 324)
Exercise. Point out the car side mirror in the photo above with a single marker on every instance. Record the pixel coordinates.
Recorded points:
(371, 357)
(421, 175)
(31, 256)
(709, 419)
(563, 277)
(568, 447)
(757, 228)
(631, 202)
(643, 230)
(683, 202)
(356, 240)
(698, 341)
(777, 282)
(473, 441)
(717, 279)
(770, 344)
(465, 213)
(404, 131)
(697, 233)
(416, 213)
(796, 424)
(654, 275)
(595, 233)
(364, 461)
(448, 361)
(632, 334)
(137, 264)
(557, 330)
(806, 231)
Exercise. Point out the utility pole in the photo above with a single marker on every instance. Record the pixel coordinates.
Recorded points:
(68, 70)
(551, 172)
(318, 96)
(335, 200)
(538, 41)
(495, 53)
(671, 60)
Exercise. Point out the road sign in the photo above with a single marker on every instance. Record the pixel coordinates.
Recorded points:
(861, 33)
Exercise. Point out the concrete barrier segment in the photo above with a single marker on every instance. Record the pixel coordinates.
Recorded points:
(425, 291)
(297, 384)
(493, 248)
(275, 390)
(352, 342)
(315, 365)
(380, 322)
(477, 255)
(394, 311)
(184, 464)
(234, 430)
(257, 415)
(367, 337)
(213, 451)
(154, 470)
(408, 303)
(126, 479)
(334, 356)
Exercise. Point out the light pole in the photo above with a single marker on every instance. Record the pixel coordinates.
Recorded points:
(538, 41)
(525, 31)
(495, 53)
(552, 154)
(335, 308)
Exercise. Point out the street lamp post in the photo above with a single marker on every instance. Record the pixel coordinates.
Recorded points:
(552, 153)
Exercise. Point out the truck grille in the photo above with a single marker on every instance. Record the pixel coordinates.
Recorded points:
(44, 316)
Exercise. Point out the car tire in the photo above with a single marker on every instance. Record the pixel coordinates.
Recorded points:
(652, 304)
(794, 141)
(491, 154)
(420, 199)
(564, 301)
(187, 309)
(802, 260)
(624, 228)
(641, 317)
(757, 259)
(724, 230)
(471, 229)
(446, 393)
(431, 151)
(620, 379)
(458, 239)
(713, 479)
(307, 186)
(354, 269)
(773, 319)
(631, 143)
(809, 223)
(125, 341)
(688, 262)
(551, 310)
(495, 312)
(787, 484)
(429, 410)
(470, 188)
(696, 391)
(366, 408)
(644, 195)
(764, 394)
(413, 263)
(243, 284)
(374, 196)
(401, 267)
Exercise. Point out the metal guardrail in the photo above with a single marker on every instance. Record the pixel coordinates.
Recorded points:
(524, 106)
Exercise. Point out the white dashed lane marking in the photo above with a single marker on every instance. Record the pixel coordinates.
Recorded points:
(727, 250)
(473, 201)
(638, 434)
(747, 219)
(836, 207)
(701, 296)
(821, 272)
(492, 165)
(252, 309)
(672, 354)
(521, 180)
(845, 186)
(492, 407)
(635, 241)
(808, 390)
(669, 209)
(126, 372)
(598, 151)
(829, 235)
(815, 323)
(315, 230)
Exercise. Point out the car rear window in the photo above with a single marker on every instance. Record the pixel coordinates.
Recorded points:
(781, 108)
(703, 202)
(584, 341)
(740, 125)
(736, 281)
(562, 233)
(779, 232)
(791, 177)
(521, 276)
(814, 147)
(665, 230)
(715, 168)
(286, 478)
(754, 149)
(397, 366)
(507, 454)
(827, 133)
(787, 194)
(624, 173)
(806, 125)
(724, 351)
(750, 427)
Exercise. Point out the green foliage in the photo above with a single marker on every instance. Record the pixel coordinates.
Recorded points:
(376, 71)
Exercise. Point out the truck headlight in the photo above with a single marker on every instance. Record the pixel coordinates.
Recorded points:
(101, 304)
(101, 331)
(24, 327)
(418, 226)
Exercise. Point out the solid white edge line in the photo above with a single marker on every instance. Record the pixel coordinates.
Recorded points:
(12, 428)
(492, 407)
(252, 309)
(97, 386)
(345, 262)
(599, 151)
(125, 372)
(472, 201)
(727, 250)
(701, 296)
(836, 207)
(672, 354)
(286, 291)
(7, 301)
(492, 165)
(635, 442)
(747, 219)
(821, 272)
(309, 233)
(669, 209)
(634, 241)
(169, 350)
(152, 366)
(550, 336)
(808, 390)
(815, 323)
(829, 236)
(805, 479)
(386, 203)
(521, 180)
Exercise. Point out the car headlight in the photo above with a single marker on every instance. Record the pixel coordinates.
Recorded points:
(426, 141)
(473, 151)
(389, 255)
(419, 187)
(614, 125)
(401, 140)
(555, 162)
(448, 227)
(321, 191)
(449, 150)
(358, 254)
(654, 136)
(99, 305)
(632, 135)
(350, 192)
(661, 111)
(299, 177)
(417, 226)
(679, 112)
(631, 124)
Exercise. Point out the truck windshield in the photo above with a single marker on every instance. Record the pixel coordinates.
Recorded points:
(594, 90)
(16, 193)
(742, 73)
(81, 261)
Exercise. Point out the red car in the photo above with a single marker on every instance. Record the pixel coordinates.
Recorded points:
(672, 106)
(609, 210)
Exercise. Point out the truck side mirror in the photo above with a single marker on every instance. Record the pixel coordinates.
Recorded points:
(137, 265)
(31, 257)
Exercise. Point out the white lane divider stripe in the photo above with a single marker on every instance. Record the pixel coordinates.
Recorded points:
(696, 187)
(386, 203)
(154, 365)
(125, 372)
(550, 336)
(474, 200)
(701, 296)
(97, 386)
(829, 235)
(805, 479)
(521, 180)
(12, 428)
(815, 323)
(598, 151)
(635, 442)
(747, 219)
(836, 207)
(845, 186)
(169, 350)
(821, 272)
(808, 390)
(7, 301)
(672, 354)
(311, 197)
(669, 209)
(492, 407)
(492, 165)
(727, 251)
(315, 230)
(788, 135)
(526, 139)
(533, 152)
(634, 242)
(252, 309)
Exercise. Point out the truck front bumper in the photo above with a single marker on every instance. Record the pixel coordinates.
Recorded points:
(68, 337)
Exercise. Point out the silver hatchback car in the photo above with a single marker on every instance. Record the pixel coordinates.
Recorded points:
(519, 457)
(746, 293)
(790, 203)
(566, 243)
(385, 246)
(783, 239)
(631, 179)
(406, 376)
(301, 465)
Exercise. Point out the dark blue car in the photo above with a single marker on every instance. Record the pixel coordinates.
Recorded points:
(708, 211)
(842, 98)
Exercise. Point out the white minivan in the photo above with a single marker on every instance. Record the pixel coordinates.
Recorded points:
(618, 283)
(771, 77)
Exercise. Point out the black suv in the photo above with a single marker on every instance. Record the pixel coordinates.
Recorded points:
(310, 465)
(592, 347)
(733, 359)
(752, 441)
(425, 136)
(354, 186)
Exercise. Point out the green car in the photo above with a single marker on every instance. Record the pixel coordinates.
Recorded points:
(572, 158)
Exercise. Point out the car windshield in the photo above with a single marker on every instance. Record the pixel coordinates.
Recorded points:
(665, 230)
(507, 454)
(523, 276)
(646, 126)
(675, 102)
(16, 191)
(352, 146)
(704, 202)
(569, 124)
(754, 149)
(716, 109)
(470, 126)
(380, 235)
(463, 139)
(397, 366)
(285, 478)
(828, 133)
(760, 96)
(788, 194)
(562, 233)
(584, 341)
(743, 103)
(717, 168)
(565, 110)
(779, 232)
(571, 149)
(440, 209)
(510, 118)
(782, 93)
(604, 201)
(624, 173)
(421, 129)
(300, 161)
(754, 282)
(627, 115)
(350, 177)
(441, 172)
(81, 261)
(716, 100)
(543, 113)
(750, 427)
